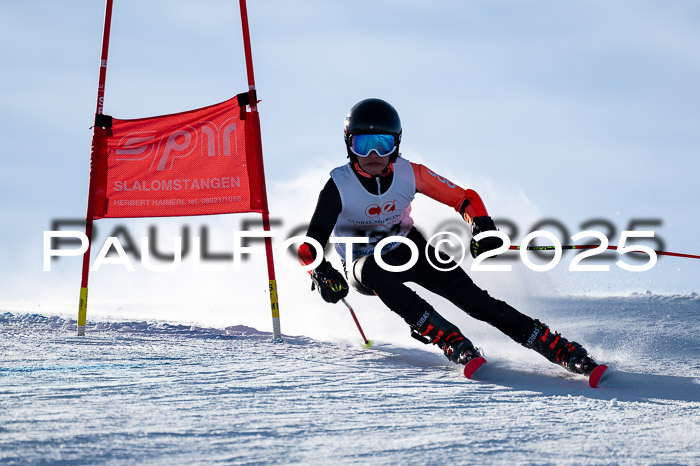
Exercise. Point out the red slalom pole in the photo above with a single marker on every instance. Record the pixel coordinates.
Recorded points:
(82, 304)
(255, 121)
(591, 246)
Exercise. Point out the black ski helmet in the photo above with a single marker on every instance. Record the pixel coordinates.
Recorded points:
(372, 116)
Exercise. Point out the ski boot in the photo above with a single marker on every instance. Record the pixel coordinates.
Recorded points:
(569, 354)
(433, 328)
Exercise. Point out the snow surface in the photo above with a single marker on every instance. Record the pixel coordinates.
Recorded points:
(156, 392)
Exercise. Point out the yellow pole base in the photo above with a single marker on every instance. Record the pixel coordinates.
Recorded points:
(82, 311)
(275, 307)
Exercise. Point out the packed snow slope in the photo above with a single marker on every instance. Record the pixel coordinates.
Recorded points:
(156, 392)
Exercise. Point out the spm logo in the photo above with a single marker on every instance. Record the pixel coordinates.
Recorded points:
(373, 210)
(207, 139)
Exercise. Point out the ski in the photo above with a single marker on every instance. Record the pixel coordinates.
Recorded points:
(596, 375)
(473, 365)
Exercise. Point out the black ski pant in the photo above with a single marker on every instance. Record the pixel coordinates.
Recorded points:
(454, 285)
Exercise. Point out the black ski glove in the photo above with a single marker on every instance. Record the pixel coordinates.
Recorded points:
(480, 224)
(330, 283)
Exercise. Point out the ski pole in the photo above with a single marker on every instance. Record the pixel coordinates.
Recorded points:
(591, 246)
(368, 343)
(306, 258)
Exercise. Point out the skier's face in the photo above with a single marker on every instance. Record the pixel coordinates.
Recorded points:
(373, 163)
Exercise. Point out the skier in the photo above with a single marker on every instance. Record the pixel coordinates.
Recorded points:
(371, 197)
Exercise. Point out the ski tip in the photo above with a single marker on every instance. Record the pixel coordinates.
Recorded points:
(596, 375)
(472, 366)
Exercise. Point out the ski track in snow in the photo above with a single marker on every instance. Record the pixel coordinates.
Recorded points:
(145, 393)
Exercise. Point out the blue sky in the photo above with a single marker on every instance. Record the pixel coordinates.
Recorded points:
(567, 110)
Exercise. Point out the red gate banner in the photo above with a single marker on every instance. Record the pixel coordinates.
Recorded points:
(198, 162)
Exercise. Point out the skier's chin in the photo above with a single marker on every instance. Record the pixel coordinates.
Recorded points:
(374, 168)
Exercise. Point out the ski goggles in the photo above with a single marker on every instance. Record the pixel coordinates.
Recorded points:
(362, 144)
